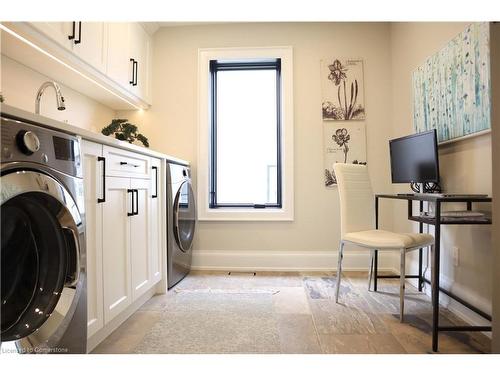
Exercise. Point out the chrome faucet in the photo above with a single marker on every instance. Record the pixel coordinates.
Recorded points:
(59, 97)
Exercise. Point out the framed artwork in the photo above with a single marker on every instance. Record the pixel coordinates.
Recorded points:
(342, 89)
(344, 143)
(452, 88)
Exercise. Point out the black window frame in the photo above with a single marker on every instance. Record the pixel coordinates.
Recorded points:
(257, 64)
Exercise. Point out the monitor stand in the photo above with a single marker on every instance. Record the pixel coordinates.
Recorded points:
(425, 187)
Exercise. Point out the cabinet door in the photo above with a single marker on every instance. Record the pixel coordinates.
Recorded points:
(140, 242)
(92, 44)
(57, 31)
(119, 66)
(156, 226)
(116, 247)
(92, 178)
(140, 45)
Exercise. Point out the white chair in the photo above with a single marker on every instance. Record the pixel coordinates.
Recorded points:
(357, 214)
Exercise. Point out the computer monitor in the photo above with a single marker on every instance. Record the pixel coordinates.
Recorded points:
(414, 158)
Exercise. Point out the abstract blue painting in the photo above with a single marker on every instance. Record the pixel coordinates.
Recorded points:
(451, 90)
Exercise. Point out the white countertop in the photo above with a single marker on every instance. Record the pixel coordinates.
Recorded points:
(84, 134)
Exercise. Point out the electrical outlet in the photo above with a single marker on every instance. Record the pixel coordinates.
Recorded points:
(456, 256)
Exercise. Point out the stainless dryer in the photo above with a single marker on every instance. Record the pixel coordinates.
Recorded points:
(43, 280)
(181, 221)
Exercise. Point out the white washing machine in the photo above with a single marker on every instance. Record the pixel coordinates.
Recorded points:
(181, 221)
(43, 281)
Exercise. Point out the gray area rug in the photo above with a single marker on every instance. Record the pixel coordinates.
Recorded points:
(207, 322)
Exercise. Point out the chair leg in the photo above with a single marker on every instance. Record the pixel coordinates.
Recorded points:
(370, 273)
(339, 270)
(402, 285)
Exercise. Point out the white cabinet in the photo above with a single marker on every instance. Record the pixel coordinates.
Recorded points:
(93, 172)
(157, 228)
(140, 46)
(92, 44)
(59, 32)
(87, 40)
(116, 55)
(119, 66)
(116, 247)
(124, 221)
(123, 163)
(129, 49)
(140, 241)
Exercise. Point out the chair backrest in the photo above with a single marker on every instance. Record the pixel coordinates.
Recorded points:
(357, 203)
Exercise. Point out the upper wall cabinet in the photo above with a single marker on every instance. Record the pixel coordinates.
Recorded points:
(129, 48)
(87, 40)
(109, 62)
(59, 32)
(140, 48)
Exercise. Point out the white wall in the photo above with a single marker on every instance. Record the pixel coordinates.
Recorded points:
(171, 125)
(19, 85)
(465, 166)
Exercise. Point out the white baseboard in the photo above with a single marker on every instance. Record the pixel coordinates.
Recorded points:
(269, 260)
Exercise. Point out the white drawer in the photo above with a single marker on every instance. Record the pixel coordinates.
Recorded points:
(122, 163)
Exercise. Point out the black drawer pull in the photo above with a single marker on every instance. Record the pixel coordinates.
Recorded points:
(126, 163)
(103, 199)
(155, 195)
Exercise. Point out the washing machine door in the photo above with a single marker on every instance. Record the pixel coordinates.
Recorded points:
(184, 216)
(40, 259)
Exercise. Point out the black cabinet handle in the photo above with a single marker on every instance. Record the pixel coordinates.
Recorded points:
(72, 36)
(136, 202)
(136, 65)
(133, 210)
(126, 163)
(79, 33)
(133, 72)
(103, 199)
(155, 195)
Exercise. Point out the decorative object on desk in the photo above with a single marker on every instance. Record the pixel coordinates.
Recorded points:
(343, 144)
(124, 131)
(343, 90)
(451, 90)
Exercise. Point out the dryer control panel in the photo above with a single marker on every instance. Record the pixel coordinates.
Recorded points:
(32, 143)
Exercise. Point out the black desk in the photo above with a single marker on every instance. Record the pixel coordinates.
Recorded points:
(437, 221)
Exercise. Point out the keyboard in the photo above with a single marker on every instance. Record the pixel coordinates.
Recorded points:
(454, 214)
(443, 195)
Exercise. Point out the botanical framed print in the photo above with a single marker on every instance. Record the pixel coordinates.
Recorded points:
(344, 143)
(342, 89)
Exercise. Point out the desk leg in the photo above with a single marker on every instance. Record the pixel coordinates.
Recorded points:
(435, 278)
(420, 254)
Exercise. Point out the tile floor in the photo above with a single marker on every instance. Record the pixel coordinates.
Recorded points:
(273, 312)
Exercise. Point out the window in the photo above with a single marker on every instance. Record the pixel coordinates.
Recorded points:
(245, 134)
(245, 148)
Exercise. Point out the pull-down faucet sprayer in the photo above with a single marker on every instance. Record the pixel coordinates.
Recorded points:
(60, 99)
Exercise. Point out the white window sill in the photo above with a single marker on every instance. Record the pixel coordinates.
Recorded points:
(241, 214)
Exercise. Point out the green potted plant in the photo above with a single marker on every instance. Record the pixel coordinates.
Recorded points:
(124, 131)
